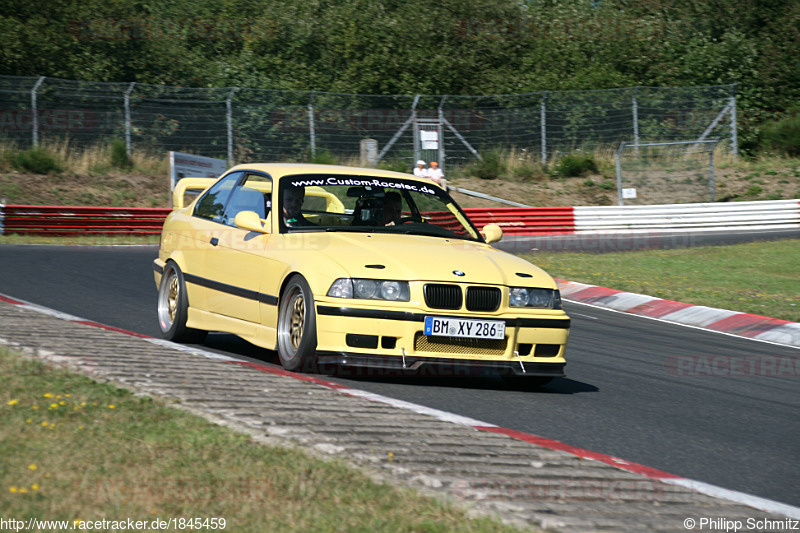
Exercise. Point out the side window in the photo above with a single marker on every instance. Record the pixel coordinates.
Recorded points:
(252, 195)
(212, 204)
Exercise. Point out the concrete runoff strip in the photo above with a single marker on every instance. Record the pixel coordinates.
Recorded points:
(520, 478)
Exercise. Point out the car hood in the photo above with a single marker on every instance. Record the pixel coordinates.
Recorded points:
(421, 258)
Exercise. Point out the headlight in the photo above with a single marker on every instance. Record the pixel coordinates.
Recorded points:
(370, 289)
(538, 298)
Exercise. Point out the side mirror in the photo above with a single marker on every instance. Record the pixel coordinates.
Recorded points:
(492, 233)
(249, 220)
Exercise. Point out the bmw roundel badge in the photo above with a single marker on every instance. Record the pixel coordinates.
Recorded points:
(458, 273)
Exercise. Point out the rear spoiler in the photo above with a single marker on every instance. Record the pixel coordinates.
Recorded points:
(187, 189)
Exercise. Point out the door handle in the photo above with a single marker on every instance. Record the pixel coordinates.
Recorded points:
(214, 241)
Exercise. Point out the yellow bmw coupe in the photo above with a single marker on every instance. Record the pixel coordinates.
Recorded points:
(351, 267)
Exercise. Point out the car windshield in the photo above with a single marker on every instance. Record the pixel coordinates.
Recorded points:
(369, 204)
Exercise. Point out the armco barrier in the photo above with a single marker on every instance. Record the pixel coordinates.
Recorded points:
(526, 220)
(76, 220)
(736, 216)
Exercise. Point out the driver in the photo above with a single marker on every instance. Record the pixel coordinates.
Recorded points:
(293, 198)
(392, 208)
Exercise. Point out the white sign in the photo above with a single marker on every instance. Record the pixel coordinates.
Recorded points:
(430, 140)
(629, 193)
(193, 166)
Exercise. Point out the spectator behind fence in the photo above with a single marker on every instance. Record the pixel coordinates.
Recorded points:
(436, 174)
(420, 171)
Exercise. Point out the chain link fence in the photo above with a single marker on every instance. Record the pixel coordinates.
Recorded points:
(246, 124)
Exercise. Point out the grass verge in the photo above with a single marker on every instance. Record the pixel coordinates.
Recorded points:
(762, 278)
(72, 449)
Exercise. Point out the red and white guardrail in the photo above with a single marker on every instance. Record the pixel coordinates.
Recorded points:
(734, 216)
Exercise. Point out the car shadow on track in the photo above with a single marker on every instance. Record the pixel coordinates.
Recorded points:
(352, 376)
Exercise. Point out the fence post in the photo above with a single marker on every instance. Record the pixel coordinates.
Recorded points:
(415, 136)
(711, 171)
(440, 131)
(311, 129)
(2, 215)
(35, 111)
(229, 113)
(619, 173)
(128, 118)
(543, 120)
(734, 133)
(635, 117)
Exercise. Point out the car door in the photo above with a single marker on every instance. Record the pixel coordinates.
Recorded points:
(236, 263)
(196, 245)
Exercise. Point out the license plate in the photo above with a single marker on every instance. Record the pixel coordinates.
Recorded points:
(464, 327)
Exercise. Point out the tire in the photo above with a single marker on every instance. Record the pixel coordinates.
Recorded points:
(297, 326)
(173, 308)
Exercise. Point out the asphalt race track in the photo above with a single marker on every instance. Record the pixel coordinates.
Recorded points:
(623, 396)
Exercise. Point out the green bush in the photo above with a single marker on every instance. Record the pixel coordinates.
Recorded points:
(783, 136)
(571, 166)
(324, 157)
(36, 160)
(492, 166)
(396, 165)
(119, 154)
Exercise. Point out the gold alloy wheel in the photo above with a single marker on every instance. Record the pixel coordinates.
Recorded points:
(297, 321)
(172, 298)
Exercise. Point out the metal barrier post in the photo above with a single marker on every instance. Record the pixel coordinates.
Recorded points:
(229, 113)
(311, 128)
(734, 133)
(35, 111)
(635, 116)
(543, 120)
(2, 215)
(128, 118)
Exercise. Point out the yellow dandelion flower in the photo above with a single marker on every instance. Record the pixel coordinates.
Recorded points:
(13, 490)
(32, 466)
(35, 486)
(53, 406)
(68, 395)
(47, 395)
(28, 421)
(58, 397)
(112, 406)
(13, 402)
(44, 424)
(52, 425)
(23, 490)
(35, 407)
(62, 402)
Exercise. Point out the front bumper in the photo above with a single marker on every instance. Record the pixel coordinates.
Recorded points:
(435, 366)
(394, 339)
